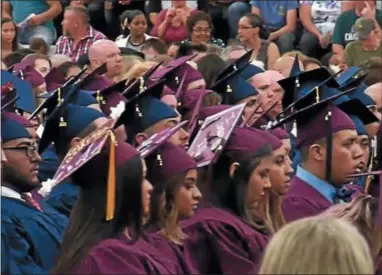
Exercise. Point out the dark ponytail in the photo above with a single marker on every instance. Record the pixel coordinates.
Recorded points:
(257, 22)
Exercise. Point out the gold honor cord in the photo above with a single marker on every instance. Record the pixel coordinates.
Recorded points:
(111, 184)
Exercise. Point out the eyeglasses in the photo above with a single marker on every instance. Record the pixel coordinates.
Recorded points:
(245, 27)
(208, 30)
(29, 150)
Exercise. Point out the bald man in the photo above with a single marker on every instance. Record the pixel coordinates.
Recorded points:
(106, 51)
(284, 65)
(375, 92)
(270, 91)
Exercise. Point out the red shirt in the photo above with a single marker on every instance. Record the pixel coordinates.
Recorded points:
(64, 44)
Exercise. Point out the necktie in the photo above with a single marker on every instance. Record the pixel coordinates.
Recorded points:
(31, 201)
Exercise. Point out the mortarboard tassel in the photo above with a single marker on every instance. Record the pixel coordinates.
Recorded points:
(329, 148)
(62, 122)
(177, 80)
(99, 98)
(317, 94)
(159, 159)
(138, 111)
(369, 177)
(59, 97)
(141, 85)
(110, 199)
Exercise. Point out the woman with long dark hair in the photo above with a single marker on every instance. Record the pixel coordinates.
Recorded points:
(8, 37)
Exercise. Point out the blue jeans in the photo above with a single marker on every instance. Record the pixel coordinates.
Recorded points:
(286, 42)
(236, 11)
(44, 32)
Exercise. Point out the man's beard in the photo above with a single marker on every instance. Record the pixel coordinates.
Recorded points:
(20, 183)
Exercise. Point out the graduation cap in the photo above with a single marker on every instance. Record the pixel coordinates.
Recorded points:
(8, 97)
(31, 75)
(20, 119)
(194, 115)
(303, 83)
(54, 79)
(354, 107)
(348, 75)
(236, 90)
(246, 141)
(295, 70)
(89, 148)
(24, 92)
(213, 135)
(359, 93)
(150, 145)
(235, 66)
(74, 83)
(129, 51)
(11, 129)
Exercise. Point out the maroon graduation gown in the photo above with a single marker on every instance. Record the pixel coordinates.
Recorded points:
(303, 201)
(219, 242)
(118, 256)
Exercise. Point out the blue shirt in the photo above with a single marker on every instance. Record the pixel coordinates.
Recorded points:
(325, 189)
(22, 9)
(274, 12)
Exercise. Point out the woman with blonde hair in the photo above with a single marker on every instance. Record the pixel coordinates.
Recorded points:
(362, 212)
(317, 245)
(138, 70)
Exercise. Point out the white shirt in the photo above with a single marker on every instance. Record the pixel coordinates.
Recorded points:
(125, 42)
(10, 193)
(166, 4)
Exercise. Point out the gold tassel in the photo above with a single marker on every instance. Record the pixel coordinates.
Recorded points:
(99, 98)
(141, 85)
(297, 82)
(62, 123)
(110, 199)
(317, 94)
(59, 97)
(369, 177)
(229, 89)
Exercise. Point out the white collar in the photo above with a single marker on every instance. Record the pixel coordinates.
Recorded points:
(10, 193)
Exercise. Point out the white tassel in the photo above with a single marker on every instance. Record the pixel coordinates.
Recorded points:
(117, 111)
(46, 187)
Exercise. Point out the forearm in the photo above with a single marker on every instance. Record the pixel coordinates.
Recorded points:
(53, 11)
(162, 29)
(285, 29)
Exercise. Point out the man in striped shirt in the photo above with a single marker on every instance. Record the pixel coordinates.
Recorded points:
(78, 35)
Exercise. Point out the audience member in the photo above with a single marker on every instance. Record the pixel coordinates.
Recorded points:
(372, 68)
(189, 49)
(318, 19)
(35, 18)
(210, 66)
(8, 37)
(366, 46)
(279, 19)
(134, 27)
(13, 58)
(232, 53)
(295, 53)
(41, 63)
(78, 35)
(138, 70)
(318, 246)
(199, 29)
(106, 51)
(39, 46)
(285, 63)
(374, 91)
(311, 64)
(161, 58)
(250, 33)
(153, 47)
(236, 10)
(343, 33)
(68, 69)
(58, 59)
(171, 23)
(173, 48)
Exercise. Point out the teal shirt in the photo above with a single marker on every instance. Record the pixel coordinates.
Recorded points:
(22, 9)
(343, 34)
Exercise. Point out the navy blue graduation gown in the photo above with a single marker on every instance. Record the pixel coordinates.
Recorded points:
(63, 197)
(49, 164)
(219, 242)
(119, 256)
(30, 238)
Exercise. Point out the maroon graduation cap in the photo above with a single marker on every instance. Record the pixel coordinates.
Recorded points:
(213, 135)
(54, 79)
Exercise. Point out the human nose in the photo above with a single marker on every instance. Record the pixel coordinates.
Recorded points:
(358, 152)
(288, 167)
(197, 194)
(184, 135)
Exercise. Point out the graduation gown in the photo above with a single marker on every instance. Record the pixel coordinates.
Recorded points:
(30, 238)
(219, 242)
(302, 201)
(49, 164)
(119, 256)
(63, 197)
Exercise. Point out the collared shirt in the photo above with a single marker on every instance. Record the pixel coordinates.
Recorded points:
(65, 44)
(10, 193)
(325, 189)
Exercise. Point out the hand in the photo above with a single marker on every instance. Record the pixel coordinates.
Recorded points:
(170, 14)
(368, 11)
(35, 21)
(322, 41)
(75, 3)
(124, 2)
(272, 36)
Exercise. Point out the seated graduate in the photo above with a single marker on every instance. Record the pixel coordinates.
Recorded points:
(104, 235)
(362, 212)
(31, 231)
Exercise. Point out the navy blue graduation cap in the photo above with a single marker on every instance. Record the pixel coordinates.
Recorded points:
(235, 66)
(24, 92)
(360, 127)
(347, 75)
(359, 93)
(295, 67)
(354, 107)
(11, 129)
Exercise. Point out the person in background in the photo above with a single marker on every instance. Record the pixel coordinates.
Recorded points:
(279, 19)
(311, 64)
(171, 23)
(235, 11)
(189, 49)
(210, 66)
(35, 17)
(233, 52)
(314, 245)
(199, 29)
(153, 47)
(68, 69)
(343, 34)
(41, 63)
(173, 48)
(13, 58)
(368, 44)
(58, 58)
(318, 19)
(285, 63)
(39, 46)
(374, 91)
(134, 25)
(333, 62)
(106, 51)
(78, 35)
(128, 62)
(162, 58)
(8, 37)
(372, 68)
(250, 32)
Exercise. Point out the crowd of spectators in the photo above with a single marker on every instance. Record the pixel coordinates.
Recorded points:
(335, 34)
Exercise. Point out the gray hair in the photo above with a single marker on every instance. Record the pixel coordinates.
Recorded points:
(229, 49)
